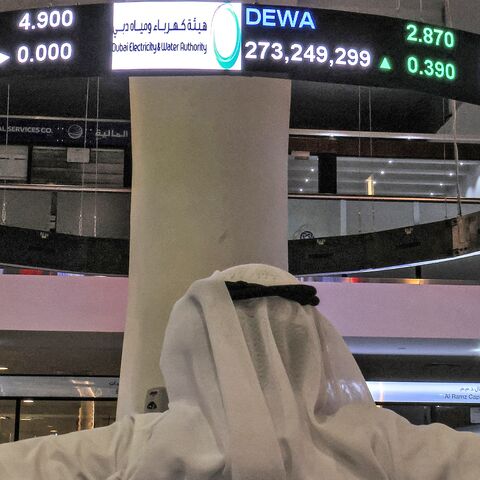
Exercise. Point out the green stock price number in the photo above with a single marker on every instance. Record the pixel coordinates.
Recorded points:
(430, 68)
(430, 36)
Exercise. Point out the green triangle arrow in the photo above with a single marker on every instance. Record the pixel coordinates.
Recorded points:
(385, 64)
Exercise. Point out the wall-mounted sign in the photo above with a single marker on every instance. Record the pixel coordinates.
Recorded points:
(425, 392)
(173, 36)
(190, 38)
(65, 133)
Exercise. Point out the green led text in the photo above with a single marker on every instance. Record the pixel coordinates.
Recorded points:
(430, 36)
(431, 68)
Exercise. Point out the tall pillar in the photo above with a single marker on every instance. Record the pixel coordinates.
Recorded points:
(209, 191)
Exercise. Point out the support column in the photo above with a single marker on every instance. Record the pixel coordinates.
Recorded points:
(209, 191)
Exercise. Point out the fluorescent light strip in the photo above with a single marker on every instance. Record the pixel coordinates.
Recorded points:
(392, 267)
(433, 137)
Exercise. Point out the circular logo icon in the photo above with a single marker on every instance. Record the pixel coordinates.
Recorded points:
(306, 235)
(75, 131)
(227, 35)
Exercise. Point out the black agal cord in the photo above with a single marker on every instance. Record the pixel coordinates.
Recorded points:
(303, 294)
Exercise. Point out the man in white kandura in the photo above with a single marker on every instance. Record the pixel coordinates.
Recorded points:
(260, 388)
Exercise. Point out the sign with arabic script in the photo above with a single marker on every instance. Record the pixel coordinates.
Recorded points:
(65, 133)
(425, 392)
(215, 38)
(160, 35)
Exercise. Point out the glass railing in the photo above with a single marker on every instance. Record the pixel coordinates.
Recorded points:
(311, 216)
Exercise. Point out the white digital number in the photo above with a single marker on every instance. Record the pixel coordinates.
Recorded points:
(53, 51)
(251, 53)
(41, 53)
(44, 19)
(23, 54)
(66, 51)
(365, 58)
(45, 52)
(309, 54)
(352, 55)
(67, 18)
(322, 54)
(264, 46)
(340, 60)
(55, 18)
(297, 52)
(277, 51)
(25, 21)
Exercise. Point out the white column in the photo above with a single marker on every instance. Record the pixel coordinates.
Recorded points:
(209, 191)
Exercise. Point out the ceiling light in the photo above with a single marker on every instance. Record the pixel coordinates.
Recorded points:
(441, 184)
(3, 417)
(82, 382)
(300, 155)
(382, 172)
(26, 419)
(306, 180)
(2, 369)
(431, 194)
(28, 401)
(461, 164)
(450, 174)
(390, 161)
(374, 182)
(312, 169)
(300, 189)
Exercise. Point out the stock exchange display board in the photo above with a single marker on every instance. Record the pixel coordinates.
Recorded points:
(213, 38)
(56, 41)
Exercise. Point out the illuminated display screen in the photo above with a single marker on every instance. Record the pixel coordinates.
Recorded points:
(425, 392)
(198, 38)
(56, 41)
(343, 47)
(160, 35)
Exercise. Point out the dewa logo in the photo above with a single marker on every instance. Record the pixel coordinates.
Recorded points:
(227, 35)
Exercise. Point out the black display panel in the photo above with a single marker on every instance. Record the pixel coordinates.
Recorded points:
(360, 49)
(193, 38)
(63, 41)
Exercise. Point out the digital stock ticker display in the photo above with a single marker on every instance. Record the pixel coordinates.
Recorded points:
(341, 47)
(61, 41)
(213, 38)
